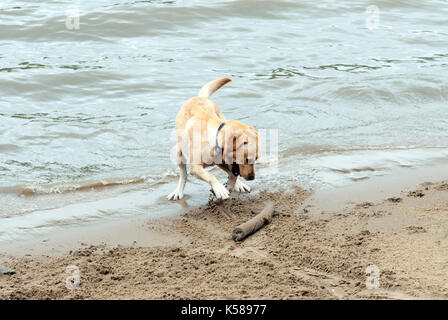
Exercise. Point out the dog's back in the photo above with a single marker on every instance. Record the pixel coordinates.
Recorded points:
(201, 107)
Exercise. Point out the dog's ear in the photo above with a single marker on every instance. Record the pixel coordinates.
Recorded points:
(228, 147)
(252, 138)
(258, 145)
(232, 140)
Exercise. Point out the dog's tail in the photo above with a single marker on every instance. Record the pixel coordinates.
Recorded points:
(211, 87)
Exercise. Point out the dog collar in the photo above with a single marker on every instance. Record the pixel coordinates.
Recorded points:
(217, 148)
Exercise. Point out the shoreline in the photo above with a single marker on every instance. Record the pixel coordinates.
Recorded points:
(300, 255)
(131, 231)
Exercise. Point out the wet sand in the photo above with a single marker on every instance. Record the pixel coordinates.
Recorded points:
(300, 255)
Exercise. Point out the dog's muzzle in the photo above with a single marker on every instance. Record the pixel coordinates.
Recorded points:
(235, 169)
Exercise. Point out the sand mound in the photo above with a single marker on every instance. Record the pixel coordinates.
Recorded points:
(297, 256)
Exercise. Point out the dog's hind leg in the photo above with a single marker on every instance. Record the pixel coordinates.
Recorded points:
(179, 192)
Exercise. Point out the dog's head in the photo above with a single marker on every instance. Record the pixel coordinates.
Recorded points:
(240, 149)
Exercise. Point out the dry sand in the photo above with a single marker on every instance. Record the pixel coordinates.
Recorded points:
(298, 256)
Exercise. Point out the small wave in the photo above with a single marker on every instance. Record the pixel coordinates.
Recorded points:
(354, 68)
(28, 66)
(353, 170)
(8, 147)
(23, 66)
(63, 187)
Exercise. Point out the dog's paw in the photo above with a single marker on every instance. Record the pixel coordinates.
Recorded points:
(220, 191)
(241, 187)
(175, 195)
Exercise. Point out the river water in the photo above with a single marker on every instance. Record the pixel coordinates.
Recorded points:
(90, 90)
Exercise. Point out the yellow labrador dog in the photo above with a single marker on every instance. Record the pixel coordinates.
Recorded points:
(205, 138)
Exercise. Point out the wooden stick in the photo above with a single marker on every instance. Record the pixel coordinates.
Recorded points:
(251, 226)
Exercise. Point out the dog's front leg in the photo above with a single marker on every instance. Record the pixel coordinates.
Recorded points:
(234, 182)
(231, 178)
(198, 171)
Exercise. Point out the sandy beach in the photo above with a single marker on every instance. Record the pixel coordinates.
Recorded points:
(300, 255)
(347, 99)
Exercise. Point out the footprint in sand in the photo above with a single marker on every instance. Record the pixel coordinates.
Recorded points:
(250, 253)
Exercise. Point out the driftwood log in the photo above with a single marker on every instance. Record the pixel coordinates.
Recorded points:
(251, 226)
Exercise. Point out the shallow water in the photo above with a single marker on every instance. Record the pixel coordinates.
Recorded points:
(86, 115)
